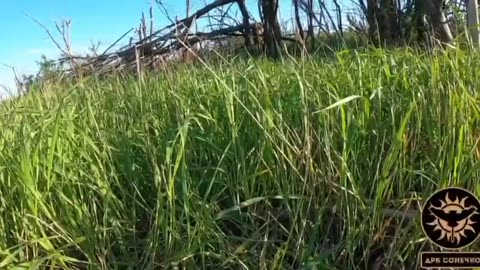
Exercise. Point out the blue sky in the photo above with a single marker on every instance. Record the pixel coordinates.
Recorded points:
(22, 41)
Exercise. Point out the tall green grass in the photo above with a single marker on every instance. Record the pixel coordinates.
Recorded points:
(252, 165)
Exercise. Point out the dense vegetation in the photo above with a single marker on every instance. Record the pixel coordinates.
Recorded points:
(240, 165)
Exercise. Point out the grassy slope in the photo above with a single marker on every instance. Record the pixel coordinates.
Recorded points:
(118, 173)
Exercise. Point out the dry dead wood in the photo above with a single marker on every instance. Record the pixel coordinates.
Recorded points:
(153, 47)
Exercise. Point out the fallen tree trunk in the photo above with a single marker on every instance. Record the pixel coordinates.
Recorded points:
(166, 43)
(128, 57)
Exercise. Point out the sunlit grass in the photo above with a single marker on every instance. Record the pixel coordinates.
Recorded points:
(252, 165)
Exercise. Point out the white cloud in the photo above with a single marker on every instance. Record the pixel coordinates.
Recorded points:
(6, 81)
(54, 52)
(35, 51)
(8, 86)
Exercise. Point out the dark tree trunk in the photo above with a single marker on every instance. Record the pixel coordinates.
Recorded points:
(436, 13)
(372, 15)
(297, 19)
(420, 29)
(388, 21)
(384, 18)
(272, 34)
(246, 23)
(188, 5)
(310, 30)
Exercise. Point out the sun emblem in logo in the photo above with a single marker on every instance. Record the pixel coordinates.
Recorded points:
(453, 219)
